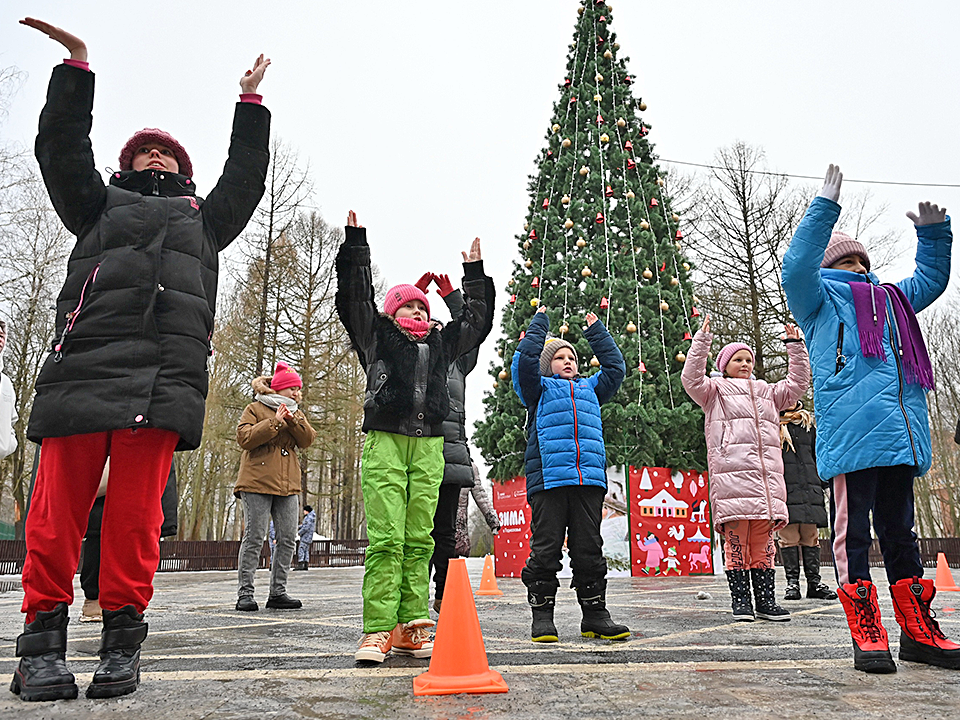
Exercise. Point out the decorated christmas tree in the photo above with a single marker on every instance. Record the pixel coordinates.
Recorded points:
(601, 236)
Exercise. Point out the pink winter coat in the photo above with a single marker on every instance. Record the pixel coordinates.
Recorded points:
(742, 425)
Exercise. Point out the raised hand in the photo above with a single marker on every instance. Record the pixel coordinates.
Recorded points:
(705, 327)
(76, 46)
(444, 286)
(542, 309)
(251, 78)
(831, 183)
(352, 220)
(791, 332)
(929, 214)
(591, 319)
(424, 281)
(474, 254)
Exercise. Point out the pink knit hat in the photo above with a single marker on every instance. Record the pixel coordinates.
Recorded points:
(840, 246)
(400, 295)
(285, 377)
(728, 351)
(149, 135)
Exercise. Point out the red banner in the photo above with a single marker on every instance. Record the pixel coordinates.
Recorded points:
(511, 546)
(670, 528)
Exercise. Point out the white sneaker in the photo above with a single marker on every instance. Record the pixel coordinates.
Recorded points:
(374, 647)
(91, 611)
(413, 638)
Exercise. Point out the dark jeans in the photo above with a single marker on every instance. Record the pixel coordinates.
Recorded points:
(444, 534)
(888, 492)
(573, 513)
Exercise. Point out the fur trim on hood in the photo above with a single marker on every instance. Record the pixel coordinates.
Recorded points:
(261, 385)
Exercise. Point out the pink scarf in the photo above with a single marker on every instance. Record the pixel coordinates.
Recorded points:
(417, 328)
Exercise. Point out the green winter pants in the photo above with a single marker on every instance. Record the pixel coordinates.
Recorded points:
(400, 478)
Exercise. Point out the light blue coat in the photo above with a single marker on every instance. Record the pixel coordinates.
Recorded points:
(867, 414)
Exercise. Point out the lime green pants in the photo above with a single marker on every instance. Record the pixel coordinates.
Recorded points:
(400, 478)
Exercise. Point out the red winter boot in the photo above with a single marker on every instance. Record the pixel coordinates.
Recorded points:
(871, 652)
(920, 637)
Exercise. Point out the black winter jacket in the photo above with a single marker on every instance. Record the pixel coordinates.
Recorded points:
(457, 464)
(805, 502)
(135, 315)
(406, 378)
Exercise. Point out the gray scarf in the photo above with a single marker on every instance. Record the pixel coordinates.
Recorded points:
(274, 401)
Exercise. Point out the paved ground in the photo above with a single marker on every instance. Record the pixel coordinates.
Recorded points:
(686, 659)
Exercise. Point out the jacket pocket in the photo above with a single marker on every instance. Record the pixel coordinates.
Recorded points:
(71, 319)
(376, 378)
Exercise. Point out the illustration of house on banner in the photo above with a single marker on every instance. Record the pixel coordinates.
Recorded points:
(663, 504)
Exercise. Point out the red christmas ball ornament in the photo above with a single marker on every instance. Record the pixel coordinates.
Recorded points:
(535, 283)
(599, 218)
(549, 154)
(631, 165)
(513, 299)
(533, 234)
(653, 203)
(601, 19)
(567, 82)
(642, 368)
(604, 303)
(599, 119)
(687, 336)
(643, 131)
(628, 145)
(695, 313)
(546, 203)
(679, 234)
(609, 191)
(600, 40)
(573, 100)
(627, 80)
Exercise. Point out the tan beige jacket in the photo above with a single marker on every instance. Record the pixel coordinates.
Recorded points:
(269, 464)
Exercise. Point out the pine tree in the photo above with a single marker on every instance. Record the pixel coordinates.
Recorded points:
(601, 236)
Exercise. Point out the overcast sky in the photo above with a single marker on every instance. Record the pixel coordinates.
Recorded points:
(426, 117)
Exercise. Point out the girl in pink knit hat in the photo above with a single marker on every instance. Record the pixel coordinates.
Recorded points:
(748, 496)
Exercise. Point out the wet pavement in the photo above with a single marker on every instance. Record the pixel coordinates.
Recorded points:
(686, 659)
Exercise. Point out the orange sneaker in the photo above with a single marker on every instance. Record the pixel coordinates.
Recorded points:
(413, 638)
(374, 647)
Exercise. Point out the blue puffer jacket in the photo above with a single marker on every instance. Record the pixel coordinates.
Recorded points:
(867, 414)
(564, 432)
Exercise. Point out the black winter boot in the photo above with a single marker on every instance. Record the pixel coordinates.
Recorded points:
(741, 601)
(791, 566)
(119, 671)
(816, 590)
(42, 673)
(543, 598)
(764, 590)
(596, 620)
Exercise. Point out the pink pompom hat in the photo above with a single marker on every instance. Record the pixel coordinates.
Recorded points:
(728, 351)
(400, 295)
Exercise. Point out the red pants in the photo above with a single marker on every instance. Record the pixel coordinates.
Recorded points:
(66, 487)
(748, 544)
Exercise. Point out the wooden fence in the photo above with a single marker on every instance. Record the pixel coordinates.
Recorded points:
(929, 549)
(187, 555)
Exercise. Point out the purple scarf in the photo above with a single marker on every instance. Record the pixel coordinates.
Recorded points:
(870, 304)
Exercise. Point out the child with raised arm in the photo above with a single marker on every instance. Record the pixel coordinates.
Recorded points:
(566, 466)
(126, 375)
(406, 358)
(748, 497)
(871, 374)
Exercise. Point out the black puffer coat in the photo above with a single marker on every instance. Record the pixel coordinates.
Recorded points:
(135, 315)
(457, 464)
(805, 502)
(406, 377)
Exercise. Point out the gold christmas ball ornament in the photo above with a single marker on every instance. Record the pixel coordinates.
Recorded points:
(568, 224)
(565, 199)
(580, 10)
(599, 78)
(564, 329)
(686, 266)
(510, 282)
(675, 217)
(584, 170)
(607, 54)
(526, 244)
(661, 182)
(631, 328)
(534, 302)
(621, 123)
(566, 142)
(644, 225)
(556, 128)
(648, 273)
(528, 263)
(581, 242)
(500, 352)
(598, 98)
(502, 374)
(605, 138)
(526, 226)
(586, 272)
(681, 357)
(594, 362)
(630, 194)
(664, 305)
(642, 106)
(696, 300)
(678, 245)
(674, 281)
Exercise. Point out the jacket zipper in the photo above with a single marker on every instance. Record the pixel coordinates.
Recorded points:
(576, 434)
(894, 343)
(72, 316)
(841, 359)
(763, 466)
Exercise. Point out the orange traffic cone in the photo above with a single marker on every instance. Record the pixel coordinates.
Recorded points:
(459, 662)
(944, 580)
(488, 581)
